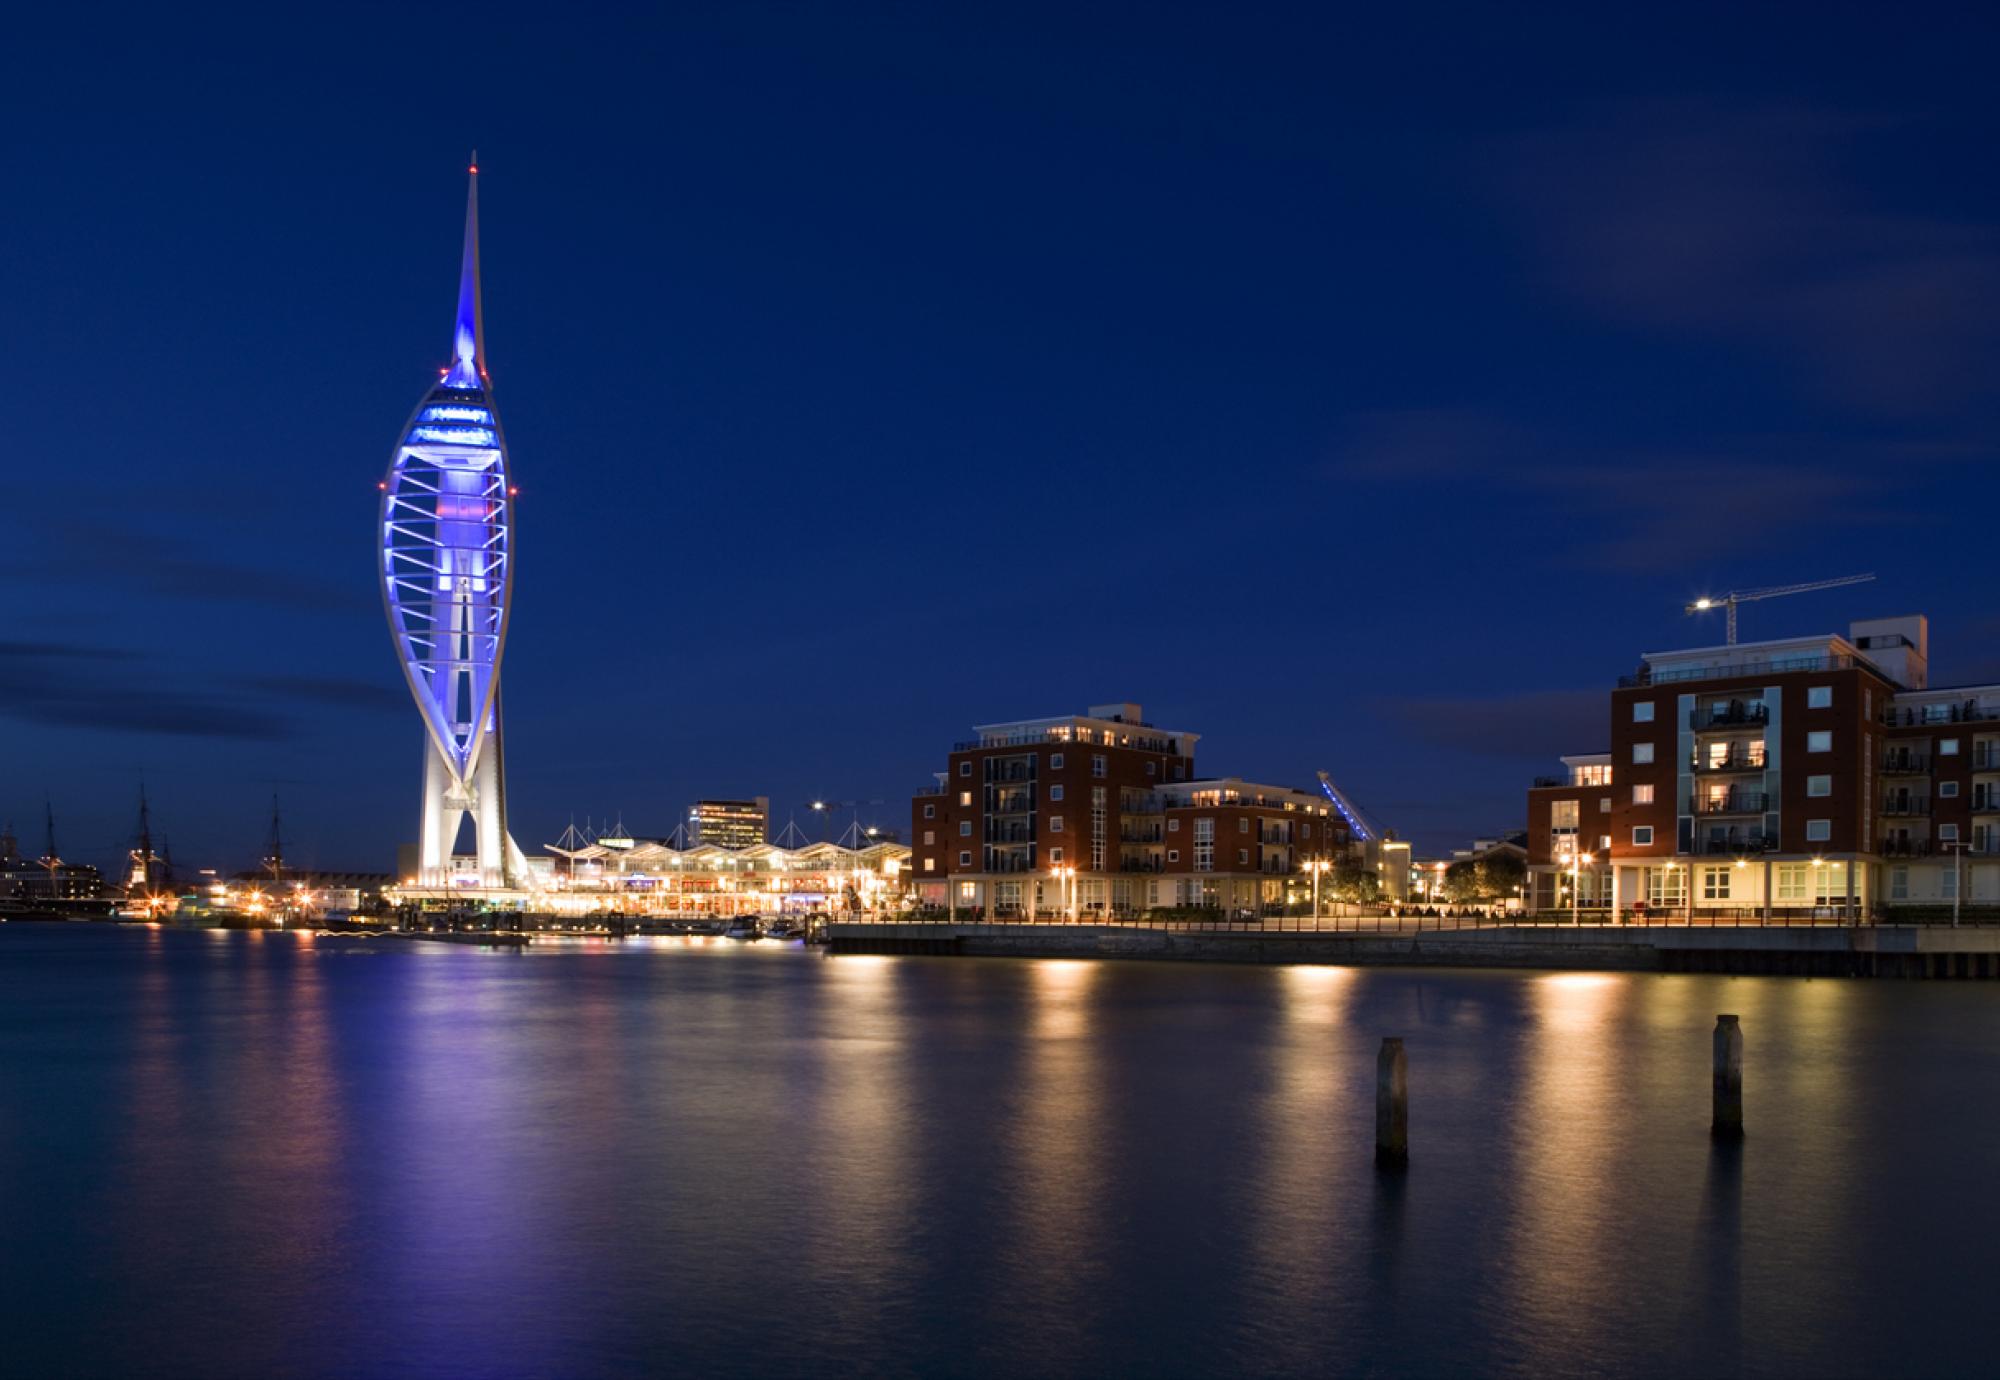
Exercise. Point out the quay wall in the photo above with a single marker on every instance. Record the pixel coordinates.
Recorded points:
(1900, 952)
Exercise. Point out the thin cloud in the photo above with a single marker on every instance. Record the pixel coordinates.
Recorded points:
(1541, 724)
(68, 686)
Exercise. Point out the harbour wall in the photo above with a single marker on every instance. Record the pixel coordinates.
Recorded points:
(1825, 951)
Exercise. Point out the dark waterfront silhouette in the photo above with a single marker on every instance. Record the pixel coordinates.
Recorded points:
(244, 1154)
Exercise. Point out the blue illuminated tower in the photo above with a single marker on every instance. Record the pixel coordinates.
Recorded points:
(447, 572)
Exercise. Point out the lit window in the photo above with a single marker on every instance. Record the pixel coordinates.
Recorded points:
(1604, 842)
(1642, 836)
(1642, 711)
(1948, 789)
(1642, 753)
(1819, 697)
(1715, 883)
(1055, 793)
(1604, 805)
(930, 864)
(1055, 824)
(1819, 830)
(965, 889)
(965, 798)
(1899, 883)
(1819, 785)
(1819, 740)
(1642, 795)
(1562, 815)
(1947, 747)
(930, 836)
(965, 828)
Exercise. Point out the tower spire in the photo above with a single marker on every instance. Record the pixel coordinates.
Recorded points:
(468, 344)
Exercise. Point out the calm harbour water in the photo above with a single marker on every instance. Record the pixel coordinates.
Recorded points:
(242, 1154)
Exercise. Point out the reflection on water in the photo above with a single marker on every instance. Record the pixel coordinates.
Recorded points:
(245, 1154)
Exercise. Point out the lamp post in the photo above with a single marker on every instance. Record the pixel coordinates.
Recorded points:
(1576, 890)
(1957, 847)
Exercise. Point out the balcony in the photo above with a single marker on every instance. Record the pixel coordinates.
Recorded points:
(1543, 783)
(1906, 848)
(1141, 865)
(1141, 803)
(1152, 832)
(1905, 763)
(1010, 833)
(1735, 841)
(1729, 761)
(1734, 803)
(1770, 665)
(1009, 862)
(1986, 759)
(1907, 805)
(1010, 773)
(1015, 804)
(1734, 714)
(1922, 716)
(1986, 802)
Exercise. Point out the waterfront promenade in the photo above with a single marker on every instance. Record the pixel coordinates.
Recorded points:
(1806, 947)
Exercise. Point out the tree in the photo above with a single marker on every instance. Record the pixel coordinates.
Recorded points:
(1462, 882)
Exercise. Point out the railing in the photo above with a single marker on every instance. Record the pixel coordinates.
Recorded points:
(1734, 761)
(1832, 915)
(1921, 716)
(1905, 763)
(1140, 865)
(1009, 864)
(1728, 716)
(1011, 805)
(1986, 802)
(1010, 833)
(1737, 841)
(1074, 737)
(1648, 676)
(1142, 833)
(1906, 848)
(1735, 803)
(933, 790)
(1543, 783)
(1907, 805)
(1010, 774)
(1985, 760)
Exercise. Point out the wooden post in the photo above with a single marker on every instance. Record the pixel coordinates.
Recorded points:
(1392, 1106)
(1728, 1120)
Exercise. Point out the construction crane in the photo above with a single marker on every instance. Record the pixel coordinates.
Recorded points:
(1730, 600)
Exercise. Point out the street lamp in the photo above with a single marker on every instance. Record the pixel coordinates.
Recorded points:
(1317, 866)
(1576, 889)
(1065, 878)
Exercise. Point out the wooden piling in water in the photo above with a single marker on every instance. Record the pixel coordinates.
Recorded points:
(1727, 1123)
(1392, 1105)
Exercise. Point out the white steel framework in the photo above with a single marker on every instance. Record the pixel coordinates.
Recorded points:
(447, 571)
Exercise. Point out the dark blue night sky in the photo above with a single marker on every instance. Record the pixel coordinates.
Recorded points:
(1362, 389)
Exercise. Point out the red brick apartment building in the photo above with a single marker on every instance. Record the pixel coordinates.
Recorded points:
(1771, 778)
(1102, 814)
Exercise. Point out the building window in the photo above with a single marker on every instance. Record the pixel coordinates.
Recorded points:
(1947, 747)
(1055, 761)
(1819, 830)
(930, 812)
(1899, 883)
(1819, 740)
(1664, 886)
(1642, 753)
(1100, 827)
(1642, 795)
(1789, 883)
(1563, 815)
(1947, 789)
(1947, 833)
(1642, 711)
(1179, 770)
(930, 837)
(965, 798)
(1242, 856)
(1204, 845)
(1152, 768)
(1055, 824)
(1715, 883)
(1055, 855)
(1097, 764)
(1173, 826)
(1604, 805)
(930, 864)
(1243, 826)
(1173, 855)
(1055, 793)
(965, 828)
(1819, 785)
(1642, 836)
(1819, 697)
(965, 860)
(965, 768)
(1604, 842)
